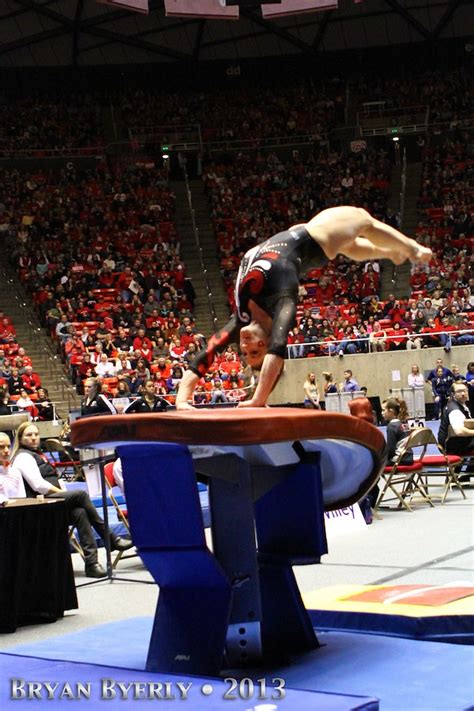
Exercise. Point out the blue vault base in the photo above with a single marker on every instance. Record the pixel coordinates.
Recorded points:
(349, 671)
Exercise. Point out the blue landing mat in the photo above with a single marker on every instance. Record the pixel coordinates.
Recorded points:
(404, 674)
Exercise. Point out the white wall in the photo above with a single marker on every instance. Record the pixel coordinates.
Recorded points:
(372, 370)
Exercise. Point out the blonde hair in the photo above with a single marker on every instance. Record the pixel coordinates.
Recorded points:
(18, 436)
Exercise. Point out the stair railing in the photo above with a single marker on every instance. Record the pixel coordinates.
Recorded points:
(403, 187)
(212, 310)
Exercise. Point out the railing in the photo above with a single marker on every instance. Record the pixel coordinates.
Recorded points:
(186, 134)
(346, 133)
(79, 152)
(367, 344)
(233, 395)
(376, 110)
(257, 142)
(212, 311)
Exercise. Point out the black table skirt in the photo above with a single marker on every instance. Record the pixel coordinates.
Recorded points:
(36, 576)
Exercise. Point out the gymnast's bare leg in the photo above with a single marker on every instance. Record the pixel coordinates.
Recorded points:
(352, 231)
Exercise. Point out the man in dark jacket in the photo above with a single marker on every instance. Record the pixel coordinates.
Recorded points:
(455, 415)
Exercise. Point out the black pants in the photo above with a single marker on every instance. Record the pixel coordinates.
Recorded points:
(460, 445)
(84, 516)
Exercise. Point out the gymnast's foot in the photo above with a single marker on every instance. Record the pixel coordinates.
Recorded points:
(422, 254)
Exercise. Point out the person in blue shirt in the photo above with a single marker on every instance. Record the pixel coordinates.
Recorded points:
(350, 384)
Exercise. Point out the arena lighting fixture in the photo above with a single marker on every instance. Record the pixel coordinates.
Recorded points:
(134, 5)
(229, 9)
(296, 7)
(248, 3)
(203, 9)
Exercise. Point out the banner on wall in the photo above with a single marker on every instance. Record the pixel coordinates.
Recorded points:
(358, 146)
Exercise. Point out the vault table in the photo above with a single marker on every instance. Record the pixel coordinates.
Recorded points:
(272, 472)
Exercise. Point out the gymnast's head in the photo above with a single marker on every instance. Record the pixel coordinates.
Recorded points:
(253, 344)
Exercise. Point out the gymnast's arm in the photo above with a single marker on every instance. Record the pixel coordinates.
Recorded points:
(217, 343)
(283, 320)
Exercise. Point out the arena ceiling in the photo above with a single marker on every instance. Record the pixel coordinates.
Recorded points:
(84, 32)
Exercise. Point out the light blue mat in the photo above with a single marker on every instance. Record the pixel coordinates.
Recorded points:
(404, 674)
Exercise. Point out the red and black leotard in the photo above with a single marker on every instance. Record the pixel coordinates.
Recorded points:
(269, 275)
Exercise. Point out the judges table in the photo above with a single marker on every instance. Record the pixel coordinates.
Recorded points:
(36, 576)
(272, 472)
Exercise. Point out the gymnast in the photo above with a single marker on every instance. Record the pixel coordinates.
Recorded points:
(266, 289)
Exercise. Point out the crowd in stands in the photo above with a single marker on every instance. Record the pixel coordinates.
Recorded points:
(100, 257)
(448, 93)
(340, 311)
(237, 114)
(21, 389)
(60, 124)
(99, 253)
(252, 198)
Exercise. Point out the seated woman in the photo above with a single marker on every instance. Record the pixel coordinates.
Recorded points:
(395, 414)
(4, 400)
(26, 404)
(94, 402)
(10, 480)
(38, 476)
(148, 401)
(45, 406)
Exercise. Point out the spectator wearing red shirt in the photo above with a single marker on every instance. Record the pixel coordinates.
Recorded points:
(230, 362)
(295, 339)
(397, 340)
(397, 313)
(7, 331)
(161, 369)
(187, 337)
(123, 283)
(31, 380)
(141, 341)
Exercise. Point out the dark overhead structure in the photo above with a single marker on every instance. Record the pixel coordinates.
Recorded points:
(75, 32)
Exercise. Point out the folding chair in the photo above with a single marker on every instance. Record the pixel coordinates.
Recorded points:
(439, 465)
(122, 513)
(74, 542)
(63, 458)
(400, 479)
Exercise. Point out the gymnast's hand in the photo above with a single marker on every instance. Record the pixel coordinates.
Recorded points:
(251, 403)
(184, 406)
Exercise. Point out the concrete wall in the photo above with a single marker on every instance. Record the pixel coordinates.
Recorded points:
(372, 370)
